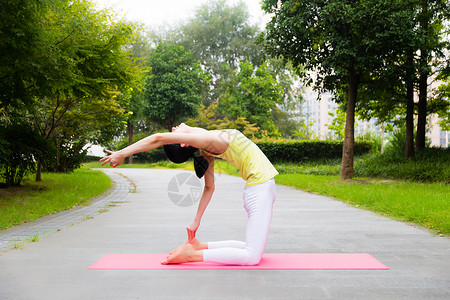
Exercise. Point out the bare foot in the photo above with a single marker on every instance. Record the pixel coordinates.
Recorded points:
(197, 245)
(177, 249)
(185, 254)
(194, 242)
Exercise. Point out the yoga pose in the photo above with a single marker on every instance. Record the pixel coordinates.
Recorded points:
(259, 192)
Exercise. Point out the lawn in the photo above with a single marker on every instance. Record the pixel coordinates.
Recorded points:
(426, 204)
(56, 192)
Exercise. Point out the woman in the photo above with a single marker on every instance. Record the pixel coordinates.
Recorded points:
(259, 192)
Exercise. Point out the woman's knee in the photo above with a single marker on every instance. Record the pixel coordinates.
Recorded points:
(253, 259)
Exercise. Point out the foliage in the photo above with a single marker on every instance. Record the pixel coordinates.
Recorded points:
(211, 119)
(376, 140)
(219, 34)
(19, 146)
(337, 126)
(20, 51)
(88, 79)
(253, 94)
(174, 86)
(343, 42)
(301, 151)
(396, 144)
(303, 130)
(443, 100)
(428, 165)
(221, 37)
(70, 89)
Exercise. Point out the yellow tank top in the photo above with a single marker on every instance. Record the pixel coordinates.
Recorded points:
(253, 165)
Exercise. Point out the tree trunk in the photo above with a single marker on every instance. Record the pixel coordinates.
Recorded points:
(422, 108)
(409, 148)
(58, 154)
(130, 128)
(425, 20)
(38, 171)
(349, 139)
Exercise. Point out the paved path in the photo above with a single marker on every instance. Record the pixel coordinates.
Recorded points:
(146, 220)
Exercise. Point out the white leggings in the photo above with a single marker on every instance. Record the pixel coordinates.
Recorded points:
(258, 202)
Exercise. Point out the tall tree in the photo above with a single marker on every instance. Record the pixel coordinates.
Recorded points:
(342, 42)
(252, 94)
(20, 49)
(174, 86)
(140, 50)
(430, 22)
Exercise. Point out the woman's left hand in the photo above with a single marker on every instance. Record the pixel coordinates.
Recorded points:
(114, 160)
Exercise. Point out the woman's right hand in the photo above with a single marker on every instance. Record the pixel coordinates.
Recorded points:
(192, 229)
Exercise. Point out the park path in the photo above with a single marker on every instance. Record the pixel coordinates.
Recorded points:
(146, 219)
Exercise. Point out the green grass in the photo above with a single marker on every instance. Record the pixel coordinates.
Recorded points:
(55, 193)
(426, 204)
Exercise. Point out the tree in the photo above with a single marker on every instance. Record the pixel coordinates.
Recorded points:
(343, 42)
(20, 49)
(68, 88)
(432, 14)
(20, 145)
(84, 96)
(141, 51)
(337, 125)
(252, 94)
(288, 114)
(391, 93)
(210, 118)
(174, 86)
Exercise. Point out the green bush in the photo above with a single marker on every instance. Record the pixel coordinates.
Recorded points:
(301, 151)
(20, 145)
(430, 164)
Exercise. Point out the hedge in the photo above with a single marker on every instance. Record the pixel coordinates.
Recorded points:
(300, 151)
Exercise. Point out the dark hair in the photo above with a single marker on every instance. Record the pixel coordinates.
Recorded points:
(178, 155)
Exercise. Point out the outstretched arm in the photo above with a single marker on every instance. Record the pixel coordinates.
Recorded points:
(208, 140)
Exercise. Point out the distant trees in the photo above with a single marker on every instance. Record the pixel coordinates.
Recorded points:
(221, 37)
(173, 87)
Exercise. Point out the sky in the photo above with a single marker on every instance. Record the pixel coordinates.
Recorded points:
(158, 13)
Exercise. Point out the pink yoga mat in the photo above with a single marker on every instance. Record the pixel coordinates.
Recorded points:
(270, 261)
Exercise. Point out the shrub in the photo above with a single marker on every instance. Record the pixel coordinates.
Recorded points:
(19, 146)
(301, 151)
(430, 164)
